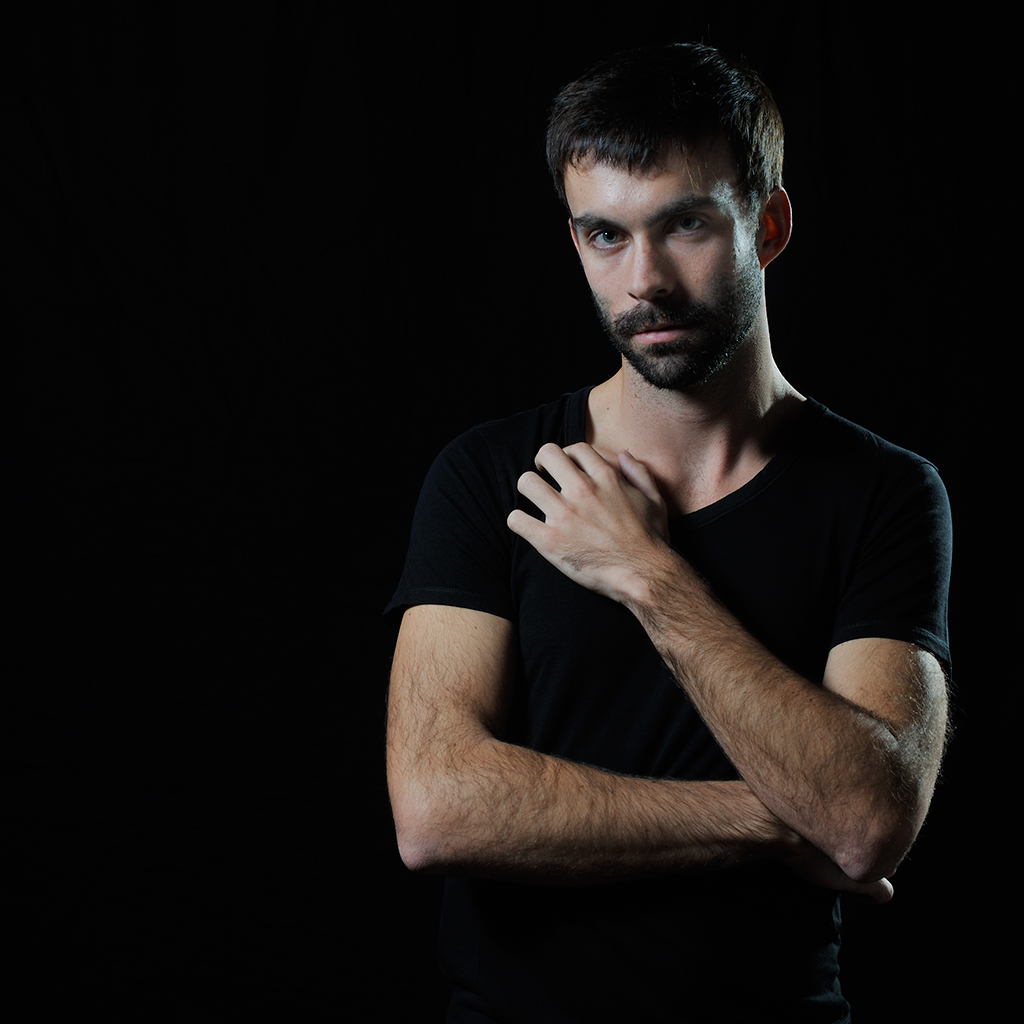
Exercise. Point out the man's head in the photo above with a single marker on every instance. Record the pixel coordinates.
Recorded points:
(629, 110)
(669, 160)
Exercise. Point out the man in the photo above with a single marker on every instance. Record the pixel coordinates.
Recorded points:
(659, 699)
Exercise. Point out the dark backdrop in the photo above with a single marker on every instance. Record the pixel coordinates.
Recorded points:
(269, 259)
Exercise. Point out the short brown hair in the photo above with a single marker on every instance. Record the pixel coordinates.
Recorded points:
(627, 110)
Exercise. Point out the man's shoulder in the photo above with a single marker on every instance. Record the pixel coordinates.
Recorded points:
(562, 421)
(836, 437)
(861, 468)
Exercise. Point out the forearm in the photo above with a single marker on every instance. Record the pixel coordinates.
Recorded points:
(508, 812)
(464, 801)
(849, 764)
(831, 770)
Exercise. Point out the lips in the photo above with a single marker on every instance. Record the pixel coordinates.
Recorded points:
(661, 333)
(661, 328)
(648, 319)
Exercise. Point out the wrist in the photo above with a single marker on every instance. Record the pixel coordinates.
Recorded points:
(663, 580)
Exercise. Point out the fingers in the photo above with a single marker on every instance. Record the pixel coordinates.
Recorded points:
(534, 487)
(576, 470)
(523, 524)
(882, 891)
(872, 892)
(594, 524)
(639, 476)
(818, 869)
(564, 463)
(573, 469)
(538, 490)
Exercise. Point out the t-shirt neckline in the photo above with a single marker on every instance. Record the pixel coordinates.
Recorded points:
(777, 465)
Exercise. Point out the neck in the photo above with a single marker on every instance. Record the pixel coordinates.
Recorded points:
(702, 443)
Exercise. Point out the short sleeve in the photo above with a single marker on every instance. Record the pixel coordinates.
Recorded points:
(460, 546)
(900, 582)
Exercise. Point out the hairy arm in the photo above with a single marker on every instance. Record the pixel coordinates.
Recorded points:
(467, 802)
(849, 765)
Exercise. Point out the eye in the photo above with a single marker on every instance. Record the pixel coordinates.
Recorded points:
(689, 222)
(605, 239)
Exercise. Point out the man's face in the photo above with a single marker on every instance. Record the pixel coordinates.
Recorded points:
(671, 257)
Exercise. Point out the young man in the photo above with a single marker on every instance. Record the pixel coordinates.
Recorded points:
(660, 698)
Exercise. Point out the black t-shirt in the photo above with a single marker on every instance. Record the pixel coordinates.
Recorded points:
(841, 536)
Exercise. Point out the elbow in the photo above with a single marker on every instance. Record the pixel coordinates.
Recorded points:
(866, 864)
(420, 845)
(875, 849)
(418, 852)
(444, 822)
(880, 827)
(423, 837)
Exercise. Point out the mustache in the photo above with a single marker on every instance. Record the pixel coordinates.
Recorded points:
(650, 317)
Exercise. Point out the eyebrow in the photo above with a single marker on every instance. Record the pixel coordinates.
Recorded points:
(675, 208)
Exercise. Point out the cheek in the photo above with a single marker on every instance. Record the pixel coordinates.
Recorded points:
(603, 283)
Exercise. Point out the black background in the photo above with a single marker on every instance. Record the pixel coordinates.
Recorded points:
(268, 259)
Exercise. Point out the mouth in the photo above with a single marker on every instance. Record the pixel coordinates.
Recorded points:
(661, 333)
(647, 324)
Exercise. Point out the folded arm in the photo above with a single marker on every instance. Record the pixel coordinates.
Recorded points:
(467, 802)
(849, 765)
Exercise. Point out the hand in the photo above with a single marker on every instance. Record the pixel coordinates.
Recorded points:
(604, 524)
(818, 869)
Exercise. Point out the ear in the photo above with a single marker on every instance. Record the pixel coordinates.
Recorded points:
(775, 227)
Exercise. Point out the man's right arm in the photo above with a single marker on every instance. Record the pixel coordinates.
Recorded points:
(465, 802)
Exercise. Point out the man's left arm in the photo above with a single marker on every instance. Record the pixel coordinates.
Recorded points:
(850, 764)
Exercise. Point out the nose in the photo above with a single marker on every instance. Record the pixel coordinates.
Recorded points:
(651, 273)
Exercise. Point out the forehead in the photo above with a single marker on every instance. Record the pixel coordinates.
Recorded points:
(596, 188)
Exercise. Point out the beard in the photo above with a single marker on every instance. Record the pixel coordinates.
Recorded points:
(717, 330)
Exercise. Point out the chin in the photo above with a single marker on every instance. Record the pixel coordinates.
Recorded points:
(679, 370)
